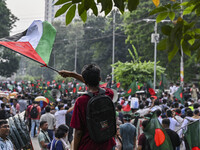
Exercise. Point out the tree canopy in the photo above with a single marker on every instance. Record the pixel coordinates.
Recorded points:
(9, 62)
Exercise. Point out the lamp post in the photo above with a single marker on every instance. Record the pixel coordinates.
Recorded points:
(155, 40)
(113, 50)
(182, 63)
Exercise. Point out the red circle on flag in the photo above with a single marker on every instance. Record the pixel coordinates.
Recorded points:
(195, 148)
(181, 95)
(159, 137)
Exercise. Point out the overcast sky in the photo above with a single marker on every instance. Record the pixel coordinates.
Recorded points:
(27, 11)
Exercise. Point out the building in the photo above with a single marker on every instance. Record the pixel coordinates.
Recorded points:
(50, 11)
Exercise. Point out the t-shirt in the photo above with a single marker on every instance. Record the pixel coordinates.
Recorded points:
(43, 136)
(143, 142)
(39, 111)
(56, 145)
(128, 133)
(79, 122)
(50, 120)
(6, 145)
(60, 117)
(174, 138)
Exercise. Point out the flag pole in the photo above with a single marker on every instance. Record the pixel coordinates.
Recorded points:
(187, 125)
(43, 65)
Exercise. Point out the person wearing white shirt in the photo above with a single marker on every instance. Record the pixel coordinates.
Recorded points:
(60, 115)
(173, 122)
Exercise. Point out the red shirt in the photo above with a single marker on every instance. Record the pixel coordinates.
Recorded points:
(79, 122)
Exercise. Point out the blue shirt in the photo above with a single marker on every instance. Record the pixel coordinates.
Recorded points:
(57, 145)
(128, 133)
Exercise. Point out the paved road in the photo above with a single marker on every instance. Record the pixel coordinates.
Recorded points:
(35, 143)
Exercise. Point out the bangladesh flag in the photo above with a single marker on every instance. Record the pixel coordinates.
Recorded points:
(49, 97)
(116, 86)
(132, 89)
(156, 135)
(150, 90)
(161, 86)
(192, 135)
(35, 43)
(179, 94)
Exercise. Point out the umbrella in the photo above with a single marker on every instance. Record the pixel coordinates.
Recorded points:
(41, 98)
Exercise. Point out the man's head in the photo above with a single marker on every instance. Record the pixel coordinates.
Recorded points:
(4, 129)
(47, 109)
(3, 105)
(169, 113)
(44, 125)
(165, 123)
(91, 75)
(144, 124)
(127, 117)
(60, 106)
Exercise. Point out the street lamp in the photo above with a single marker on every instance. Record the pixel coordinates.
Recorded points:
(155, 40)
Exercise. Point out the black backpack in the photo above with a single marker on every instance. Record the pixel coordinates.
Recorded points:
(101, 117)
(34, 112)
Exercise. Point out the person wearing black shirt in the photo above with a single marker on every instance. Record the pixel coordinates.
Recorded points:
(175, 139)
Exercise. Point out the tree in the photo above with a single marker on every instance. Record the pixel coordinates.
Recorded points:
(127, 72)
(9, 62)
(83, 7)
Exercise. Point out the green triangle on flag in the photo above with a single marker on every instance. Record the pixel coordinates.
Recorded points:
(179, 94)
(156, 135)
(48, 95)
(132, 89)
(192, 135)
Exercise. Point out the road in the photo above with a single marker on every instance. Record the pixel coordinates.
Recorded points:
(35, 143)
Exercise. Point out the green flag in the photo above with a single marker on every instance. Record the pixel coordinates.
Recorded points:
(150, 90)
(48, 95)
(192, 135)
(179, 94)
(132, 89)
(156, 135)
(161, 87)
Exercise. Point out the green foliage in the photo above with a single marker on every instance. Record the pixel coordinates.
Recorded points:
(127, 72)
(9, 62)
(183, 32)
(25, 78)
(85, 5)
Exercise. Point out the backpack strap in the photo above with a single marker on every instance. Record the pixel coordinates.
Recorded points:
(101, 92)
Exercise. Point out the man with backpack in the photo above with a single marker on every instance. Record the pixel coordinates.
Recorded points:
(90, 134)
(35, 118)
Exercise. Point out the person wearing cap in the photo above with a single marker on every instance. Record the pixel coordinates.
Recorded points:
(5, 143)
(128, 133)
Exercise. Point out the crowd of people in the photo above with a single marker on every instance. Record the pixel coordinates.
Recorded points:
(63, 125)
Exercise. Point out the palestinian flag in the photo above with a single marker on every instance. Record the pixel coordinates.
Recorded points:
(192, 135)
(35, 43)
(156, 135)
(179, 94)
(132, 89)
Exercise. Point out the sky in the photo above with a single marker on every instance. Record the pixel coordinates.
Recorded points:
(27, 11)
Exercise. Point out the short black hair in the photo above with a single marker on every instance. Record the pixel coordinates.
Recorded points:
(42, 123)
(3, 122)
(196, 105)
(156, 102)
(119, 107)
(60, 106)
(158, 112)
(61, 130)
(169, 113)
(127, 117)
(166, 121)
(47, 109)
(3, 105)
(189, 113)
(91, 74)
(141, 106)
(144, 123)
(196, 111)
